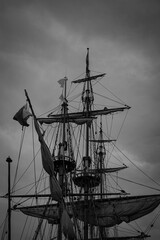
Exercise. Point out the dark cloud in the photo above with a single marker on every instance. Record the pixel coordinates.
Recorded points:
(41, 41)
(130, 22)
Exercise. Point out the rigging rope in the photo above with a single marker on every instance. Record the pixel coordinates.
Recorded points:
(148, 229)
(138, 168)
(140, 184)
(112, 93)
(4, 225)
(19, 155)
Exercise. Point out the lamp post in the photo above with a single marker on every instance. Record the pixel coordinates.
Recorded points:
(9, 160)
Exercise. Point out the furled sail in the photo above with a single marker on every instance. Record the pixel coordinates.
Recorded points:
(55, 189)
(106, 212)
(106, 170)
(47, 162)
(73, 117)
(89, 78)
(78, 121)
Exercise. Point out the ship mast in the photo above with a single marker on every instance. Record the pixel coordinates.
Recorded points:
(63, 163)
(101, 153)
(61, 169)
(88, 179)
(87, 159)
(87, 102)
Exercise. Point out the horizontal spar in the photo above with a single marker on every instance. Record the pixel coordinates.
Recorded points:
(71, 194)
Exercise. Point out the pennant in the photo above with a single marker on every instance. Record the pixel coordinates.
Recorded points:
(62, 81)
(48, 165)
(22, 116)
(67, 226)
(62, 98)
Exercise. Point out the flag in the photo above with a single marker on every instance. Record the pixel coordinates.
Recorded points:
(62, 81)
(22, 116)
(48, 165)
(67, 225)
(63, 99)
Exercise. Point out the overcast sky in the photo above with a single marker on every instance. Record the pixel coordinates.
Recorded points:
(42, 41)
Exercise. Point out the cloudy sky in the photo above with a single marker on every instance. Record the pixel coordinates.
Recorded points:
(42, 41)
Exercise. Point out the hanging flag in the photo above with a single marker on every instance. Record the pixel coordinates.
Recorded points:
(61, 97)
(22, 116)
(48, 165)
(67, 226)
(62, 81)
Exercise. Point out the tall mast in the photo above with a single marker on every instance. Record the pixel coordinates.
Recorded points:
(87, 102)
(87, 158)
(86, 180)
(63, 163)
(61, 169)
(64, 111)
(101, 157)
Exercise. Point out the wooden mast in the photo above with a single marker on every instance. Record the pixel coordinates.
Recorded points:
(61, 168)
(86, 159)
